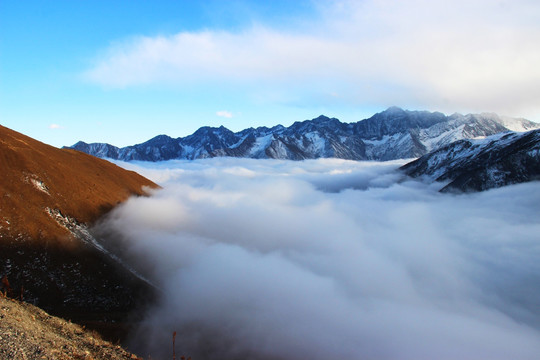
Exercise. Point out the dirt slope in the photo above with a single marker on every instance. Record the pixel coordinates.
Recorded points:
(43, 188)
(36, 177)
(27, 332)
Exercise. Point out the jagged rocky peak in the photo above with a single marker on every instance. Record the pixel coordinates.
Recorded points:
(322, 119)
(396, 120)
(160, 139)
(212, 134)
(394, 111)
(319, 123)
(208, 130)
(80, 143)
(327, 122)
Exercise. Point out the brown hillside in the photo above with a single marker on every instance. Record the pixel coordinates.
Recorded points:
(43, 189)
(36, 176)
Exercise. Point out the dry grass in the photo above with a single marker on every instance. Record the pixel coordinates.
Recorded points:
(36, 176)
(27, 332)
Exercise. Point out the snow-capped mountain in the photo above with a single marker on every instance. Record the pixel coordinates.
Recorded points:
(392, 134)
(476, 165)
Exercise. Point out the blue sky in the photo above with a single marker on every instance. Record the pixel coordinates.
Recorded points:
(124, 71)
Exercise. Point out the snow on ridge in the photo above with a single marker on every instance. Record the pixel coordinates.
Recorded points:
(81, 232)
(38, 184)
(239, 142)
(261, 143)
(518, 125)
(318, 144)
(385, 139)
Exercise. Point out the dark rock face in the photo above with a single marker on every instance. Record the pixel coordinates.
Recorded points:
(392, 134)
(477, 165)
(81, 283)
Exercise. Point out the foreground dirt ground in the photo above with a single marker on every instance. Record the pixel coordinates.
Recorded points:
(27, 333)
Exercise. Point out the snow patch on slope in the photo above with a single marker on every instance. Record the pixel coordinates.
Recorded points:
(261, 143)
(81, 232)
(38, 184)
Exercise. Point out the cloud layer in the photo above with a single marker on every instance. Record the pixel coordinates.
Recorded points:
(479, 55)
(332, 259)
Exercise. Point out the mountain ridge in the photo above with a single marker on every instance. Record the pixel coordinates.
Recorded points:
(476, 165)
(392, 134)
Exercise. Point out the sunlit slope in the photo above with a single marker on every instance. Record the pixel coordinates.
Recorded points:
(37, 180)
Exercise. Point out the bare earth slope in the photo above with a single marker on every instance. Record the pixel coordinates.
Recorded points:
(36, 176)
(27, 332)
(48, 197)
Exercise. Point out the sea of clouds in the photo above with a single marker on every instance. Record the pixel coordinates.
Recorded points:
(331, 259)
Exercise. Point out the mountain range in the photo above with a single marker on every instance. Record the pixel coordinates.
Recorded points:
(392, 134)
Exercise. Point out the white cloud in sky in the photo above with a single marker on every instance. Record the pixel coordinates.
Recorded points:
(332, 259)
(55, 126)
(224, 113)
(474, 55)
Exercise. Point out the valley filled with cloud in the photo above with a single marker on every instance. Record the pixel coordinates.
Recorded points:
(320, 259)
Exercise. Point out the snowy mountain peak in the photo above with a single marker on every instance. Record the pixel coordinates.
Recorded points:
(394, 110)
(322, 119)
(160, 139)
